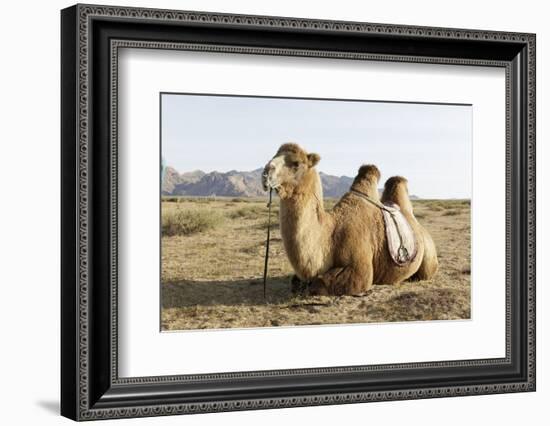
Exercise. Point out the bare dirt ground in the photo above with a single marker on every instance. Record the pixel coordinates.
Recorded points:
(212, 271)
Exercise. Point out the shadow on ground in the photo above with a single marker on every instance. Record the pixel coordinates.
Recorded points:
(228, 293)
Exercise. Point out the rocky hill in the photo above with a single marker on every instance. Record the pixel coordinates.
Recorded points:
(335, 186)
(236, 184)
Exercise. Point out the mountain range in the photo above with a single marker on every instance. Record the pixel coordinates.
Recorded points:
(236, 184)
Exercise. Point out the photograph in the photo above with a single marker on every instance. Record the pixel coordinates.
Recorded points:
(282, 212)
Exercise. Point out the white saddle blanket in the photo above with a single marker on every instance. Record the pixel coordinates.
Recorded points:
(400, 236)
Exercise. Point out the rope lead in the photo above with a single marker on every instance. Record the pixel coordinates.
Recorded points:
(267, 242)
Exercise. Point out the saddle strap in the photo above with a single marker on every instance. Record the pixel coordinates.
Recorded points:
(402, 256)
(391, 210)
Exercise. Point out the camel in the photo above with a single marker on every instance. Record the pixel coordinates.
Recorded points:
(343, 251)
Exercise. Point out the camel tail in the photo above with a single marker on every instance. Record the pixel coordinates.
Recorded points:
(397, 192)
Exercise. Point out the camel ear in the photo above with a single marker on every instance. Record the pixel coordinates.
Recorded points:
(313, 159)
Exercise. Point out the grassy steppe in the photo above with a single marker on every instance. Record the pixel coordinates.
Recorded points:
(212, 264)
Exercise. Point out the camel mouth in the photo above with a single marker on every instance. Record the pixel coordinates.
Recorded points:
(270, 186)
(268, 183)
(264, 181)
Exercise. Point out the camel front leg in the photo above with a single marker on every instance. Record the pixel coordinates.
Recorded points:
(339, 281)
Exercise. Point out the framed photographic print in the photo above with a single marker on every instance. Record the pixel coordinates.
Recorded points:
(263, 212)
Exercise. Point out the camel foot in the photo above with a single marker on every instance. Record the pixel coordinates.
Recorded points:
(318, 287)
(340, 281)
(297, 286)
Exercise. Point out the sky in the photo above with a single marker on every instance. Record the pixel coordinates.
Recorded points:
(429, 144)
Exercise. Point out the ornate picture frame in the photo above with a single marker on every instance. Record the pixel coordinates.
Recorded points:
(91, 37)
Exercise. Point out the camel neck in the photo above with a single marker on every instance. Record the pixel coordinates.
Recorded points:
(306, 200)
(305, 228)
(302, 207)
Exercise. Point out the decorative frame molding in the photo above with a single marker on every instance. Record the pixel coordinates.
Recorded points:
(91, 388)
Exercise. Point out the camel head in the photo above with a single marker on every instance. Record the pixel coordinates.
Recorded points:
(288, 169)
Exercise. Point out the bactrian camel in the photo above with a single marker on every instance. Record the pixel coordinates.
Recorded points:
(343, 251)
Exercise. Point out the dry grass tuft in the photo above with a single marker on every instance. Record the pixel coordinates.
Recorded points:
(170, 199)
(189, 221)
(453, 212)
(247, 212)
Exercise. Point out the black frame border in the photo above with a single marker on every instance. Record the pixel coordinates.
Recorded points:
(90, 387)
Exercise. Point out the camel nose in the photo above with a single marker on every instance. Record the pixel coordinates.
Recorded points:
(268, 169)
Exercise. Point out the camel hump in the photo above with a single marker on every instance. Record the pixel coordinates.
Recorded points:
(367, 171)
(396, 192)
(366, 180)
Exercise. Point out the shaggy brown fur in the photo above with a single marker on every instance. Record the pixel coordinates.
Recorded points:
(343, 251)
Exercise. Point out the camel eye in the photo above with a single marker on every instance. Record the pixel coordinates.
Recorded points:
(295, 164)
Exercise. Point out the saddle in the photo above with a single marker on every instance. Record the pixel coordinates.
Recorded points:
(399, 233)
